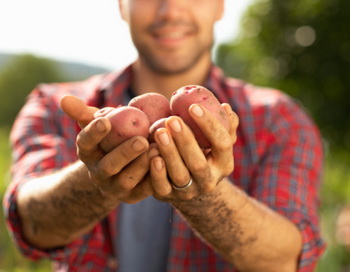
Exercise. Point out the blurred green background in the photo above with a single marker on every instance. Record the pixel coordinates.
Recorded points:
(300, 47)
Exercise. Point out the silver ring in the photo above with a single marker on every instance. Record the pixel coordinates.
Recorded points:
(182, 188)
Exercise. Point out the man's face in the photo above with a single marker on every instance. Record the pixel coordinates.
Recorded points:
(172, 35)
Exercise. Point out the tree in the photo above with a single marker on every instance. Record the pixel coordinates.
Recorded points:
(302, 48)
(21, 74)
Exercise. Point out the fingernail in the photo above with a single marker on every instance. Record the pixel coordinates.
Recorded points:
(100, 126)
(227, 108)
(164, 138)
(175, 125)
(158, 164)
(197, 110)
(138, 146)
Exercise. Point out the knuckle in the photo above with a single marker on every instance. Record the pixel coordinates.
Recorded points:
(126, 185)
(144, 190)
(80, 141)
(143, 162)
(235, 119)
(228, 169)
(199, 167)
(83, 143)
(126, 154)
(107, 168)
(224, 143)
(234, 138)
(130, 201)
(187, 196)
(164, 191)
(207, 187)
(180, 179)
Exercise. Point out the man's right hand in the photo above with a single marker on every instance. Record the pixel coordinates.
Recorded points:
(119, 174)
(57, 208)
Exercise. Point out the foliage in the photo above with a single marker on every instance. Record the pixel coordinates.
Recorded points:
(21, 74)
(301, 47)
(335, 195)
(10, 258)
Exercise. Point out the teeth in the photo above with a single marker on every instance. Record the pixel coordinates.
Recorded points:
(173, 35)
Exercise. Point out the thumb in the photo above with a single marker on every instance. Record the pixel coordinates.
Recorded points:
(76, 109)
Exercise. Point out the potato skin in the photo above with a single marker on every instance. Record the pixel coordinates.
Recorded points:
(184, 97)
(156, 125)
(126, 122)
(155, 105)
(103, 112)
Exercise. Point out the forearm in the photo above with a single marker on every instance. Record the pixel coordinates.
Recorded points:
(246, 233)
(58, 208)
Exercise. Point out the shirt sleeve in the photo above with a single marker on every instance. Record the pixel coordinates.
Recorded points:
(43, 141)
(290, 172)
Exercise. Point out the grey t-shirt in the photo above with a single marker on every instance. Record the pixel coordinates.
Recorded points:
(143, 238)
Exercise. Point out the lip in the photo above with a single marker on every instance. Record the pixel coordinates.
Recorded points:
(171, 37)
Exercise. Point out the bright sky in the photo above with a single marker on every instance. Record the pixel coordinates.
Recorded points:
(89, 32)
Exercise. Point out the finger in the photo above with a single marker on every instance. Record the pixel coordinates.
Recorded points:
(121, 156)
(188, 147)
(143, 190)
(216, 133)
(76, 109)
(234, 121)
(175, 166)
(89, 138)
(163, 188)
(160, 182)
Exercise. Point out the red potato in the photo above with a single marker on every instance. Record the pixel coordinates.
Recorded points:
(156, 125)
(155, 105)
(126, 122)
(103, 112)
(184, 97)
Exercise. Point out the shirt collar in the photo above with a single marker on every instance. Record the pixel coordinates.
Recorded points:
(115, 85)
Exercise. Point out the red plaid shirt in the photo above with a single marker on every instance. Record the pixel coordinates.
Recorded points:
(278, 161)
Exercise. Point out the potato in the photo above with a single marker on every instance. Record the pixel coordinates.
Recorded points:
(126, 122)
(103, 112)
(155, 105)
(157, 124)
(184, 97)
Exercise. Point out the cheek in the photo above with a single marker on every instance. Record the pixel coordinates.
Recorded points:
(208, 11)
(138, 28)
(205, 20)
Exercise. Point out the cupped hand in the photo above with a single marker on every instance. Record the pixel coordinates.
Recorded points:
(181, 159)
(120, 173)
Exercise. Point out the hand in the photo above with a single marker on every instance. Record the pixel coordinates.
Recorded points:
(182, 159)
(118, 174)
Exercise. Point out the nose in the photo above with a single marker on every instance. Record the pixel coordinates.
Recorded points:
(171, 9)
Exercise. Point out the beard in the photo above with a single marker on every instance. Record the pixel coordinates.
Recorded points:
(172, 65)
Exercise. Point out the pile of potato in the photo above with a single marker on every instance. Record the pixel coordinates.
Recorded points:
(146, 113)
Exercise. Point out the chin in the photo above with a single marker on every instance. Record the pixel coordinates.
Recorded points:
(170, 69)
(171, 66)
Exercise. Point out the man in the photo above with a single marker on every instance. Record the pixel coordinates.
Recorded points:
(169, 207)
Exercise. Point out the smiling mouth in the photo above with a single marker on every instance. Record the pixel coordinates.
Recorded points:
(171, 35)
(172, 32)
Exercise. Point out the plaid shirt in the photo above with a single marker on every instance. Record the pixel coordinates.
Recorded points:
(278, 161)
